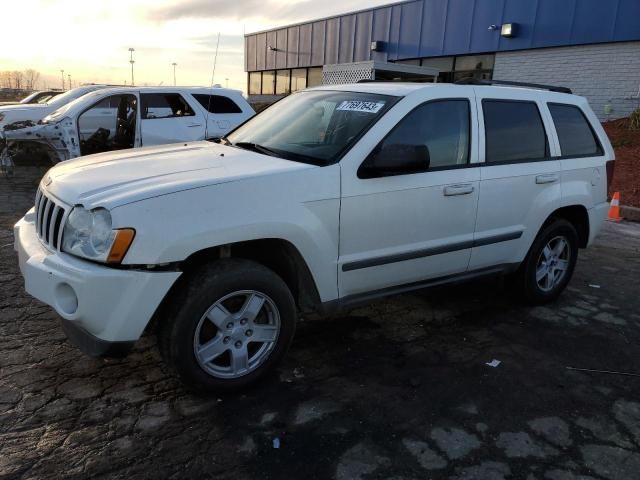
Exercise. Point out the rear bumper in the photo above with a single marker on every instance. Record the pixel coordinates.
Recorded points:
(597, 216)
(103, 309)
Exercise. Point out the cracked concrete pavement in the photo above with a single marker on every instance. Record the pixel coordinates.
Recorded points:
(399, 389)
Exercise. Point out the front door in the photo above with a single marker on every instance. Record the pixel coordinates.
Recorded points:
(169, 118)
(408, 211)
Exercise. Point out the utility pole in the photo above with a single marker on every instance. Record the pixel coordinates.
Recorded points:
(62, 76)
(131, 61)
(174, 73)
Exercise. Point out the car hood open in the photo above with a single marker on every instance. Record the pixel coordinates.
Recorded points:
(117, 178)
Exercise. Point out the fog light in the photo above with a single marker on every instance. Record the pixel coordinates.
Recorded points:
(66, 299)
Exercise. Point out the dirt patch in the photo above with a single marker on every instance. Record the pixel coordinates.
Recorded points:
(626, 178)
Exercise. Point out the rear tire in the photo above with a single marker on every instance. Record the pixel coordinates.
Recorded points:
(549, 265)
(228, 326)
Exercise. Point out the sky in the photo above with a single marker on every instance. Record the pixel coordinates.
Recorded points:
(90, 39)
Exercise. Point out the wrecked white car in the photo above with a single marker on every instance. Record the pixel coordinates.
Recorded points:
(126, 117)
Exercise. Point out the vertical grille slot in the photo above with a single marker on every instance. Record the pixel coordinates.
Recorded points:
(49, 218)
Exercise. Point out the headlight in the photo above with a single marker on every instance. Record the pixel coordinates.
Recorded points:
(89, 234)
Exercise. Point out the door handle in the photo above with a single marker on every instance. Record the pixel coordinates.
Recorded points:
(548, 178)
(453, 190)
(194, 125)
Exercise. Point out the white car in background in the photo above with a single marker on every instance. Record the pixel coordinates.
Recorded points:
(33, 112)
(128, 117)
(42, 96)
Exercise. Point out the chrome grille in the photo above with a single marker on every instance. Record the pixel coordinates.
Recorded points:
(50, 216)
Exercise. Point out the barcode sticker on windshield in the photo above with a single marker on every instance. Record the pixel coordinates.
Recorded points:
(360, 106)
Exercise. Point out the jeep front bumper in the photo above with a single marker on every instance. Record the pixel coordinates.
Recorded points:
(104, 310)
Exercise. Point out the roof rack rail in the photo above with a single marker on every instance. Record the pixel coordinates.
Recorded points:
(475, 81)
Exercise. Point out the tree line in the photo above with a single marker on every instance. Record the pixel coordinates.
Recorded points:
(19, 80)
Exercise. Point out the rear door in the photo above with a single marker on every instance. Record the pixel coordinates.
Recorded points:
(519, 180)
(167, 117)
(224, 113)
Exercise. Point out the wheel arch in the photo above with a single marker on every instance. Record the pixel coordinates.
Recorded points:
(578, 216)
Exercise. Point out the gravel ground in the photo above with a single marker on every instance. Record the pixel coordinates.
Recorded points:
(399, 389)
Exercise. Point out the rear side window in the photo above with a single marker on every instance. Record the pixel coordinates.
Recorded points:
(217, 103)
(574, 131)
(164, 105)
(514, 131)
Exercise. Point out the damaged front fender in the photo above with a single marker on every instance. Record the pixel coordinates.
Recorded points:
(60, 137)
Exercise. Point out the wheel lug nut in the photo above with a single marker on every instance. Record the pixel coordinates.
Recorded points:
(248, 333)
(243, 321)
(230, 325)
(226, 340)
(238, 344)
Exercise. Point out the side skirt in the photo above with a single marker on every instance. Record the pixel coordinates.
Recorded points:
(352, 301)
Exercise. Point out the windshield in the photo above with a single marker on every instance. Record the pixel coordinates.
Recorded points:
(312, 126)
(66, 97)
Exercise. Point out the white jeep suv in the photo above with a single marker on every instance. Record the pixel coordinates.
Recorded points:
(331, 197)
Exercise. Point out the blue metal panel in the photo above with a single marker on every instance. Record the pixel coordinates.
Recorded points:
(271, 54)
(281, 44)
(261, 51)
(293, 38)
(381, 24)
(304, 57)
(434, 18)
(627, 21)
(347, 33)
(362, 47)
(486, 14)
(554, 22)
(594, 21)
(457, 34)
(394, 32)
(332, 40)
(250, 53)
(318, 42)
(410, 26)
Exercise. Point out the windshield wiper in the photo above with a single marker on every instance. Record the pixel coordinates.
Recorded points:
(257, 148)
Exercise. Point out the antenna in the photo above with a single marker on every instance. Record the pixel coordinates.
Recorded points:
(213, 74)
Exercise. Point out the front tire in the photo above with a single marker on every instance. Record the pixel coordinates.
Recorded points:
(229, 326)
(550, 263)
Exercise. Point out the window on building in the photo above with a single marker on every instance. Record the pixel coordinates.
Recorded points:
(298, 79)
(283, 79)
(437, 132)
(514, 131)
(255, 83)
(268, 82)
(164, 105)
(315, 77)
(474, 66)
(574, 132)
(217, 103)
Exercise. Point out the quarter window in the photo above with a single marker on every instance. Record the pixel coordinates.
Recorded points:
(433, 136)
(217, 103)
(574, 132)
(164, 105)
(514, 131)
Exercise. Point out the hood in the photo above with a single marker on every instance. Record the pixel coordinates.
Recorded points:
(116, 178)
(15, 113)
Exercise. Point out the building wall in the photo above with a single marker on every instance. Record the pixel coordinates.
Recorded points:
(431, 28)
(605, 74)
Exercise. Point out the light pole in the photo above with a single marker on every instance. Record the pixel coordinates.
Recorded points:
(69, 75)
(174, 73)
(226, 83)
(62, 76)
(131, 61)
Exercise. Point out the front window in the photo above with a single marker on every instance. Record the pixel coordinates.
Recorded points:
(312, 126)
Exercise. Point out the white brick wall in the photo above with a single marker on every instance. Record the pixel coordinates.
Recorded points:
(606, 73)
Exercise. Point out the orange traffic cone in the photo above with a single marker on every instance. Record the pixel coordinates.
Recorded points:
(614, 210)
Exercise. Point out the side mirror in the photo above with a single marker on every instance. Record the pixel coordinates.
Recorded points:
(395, 159)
